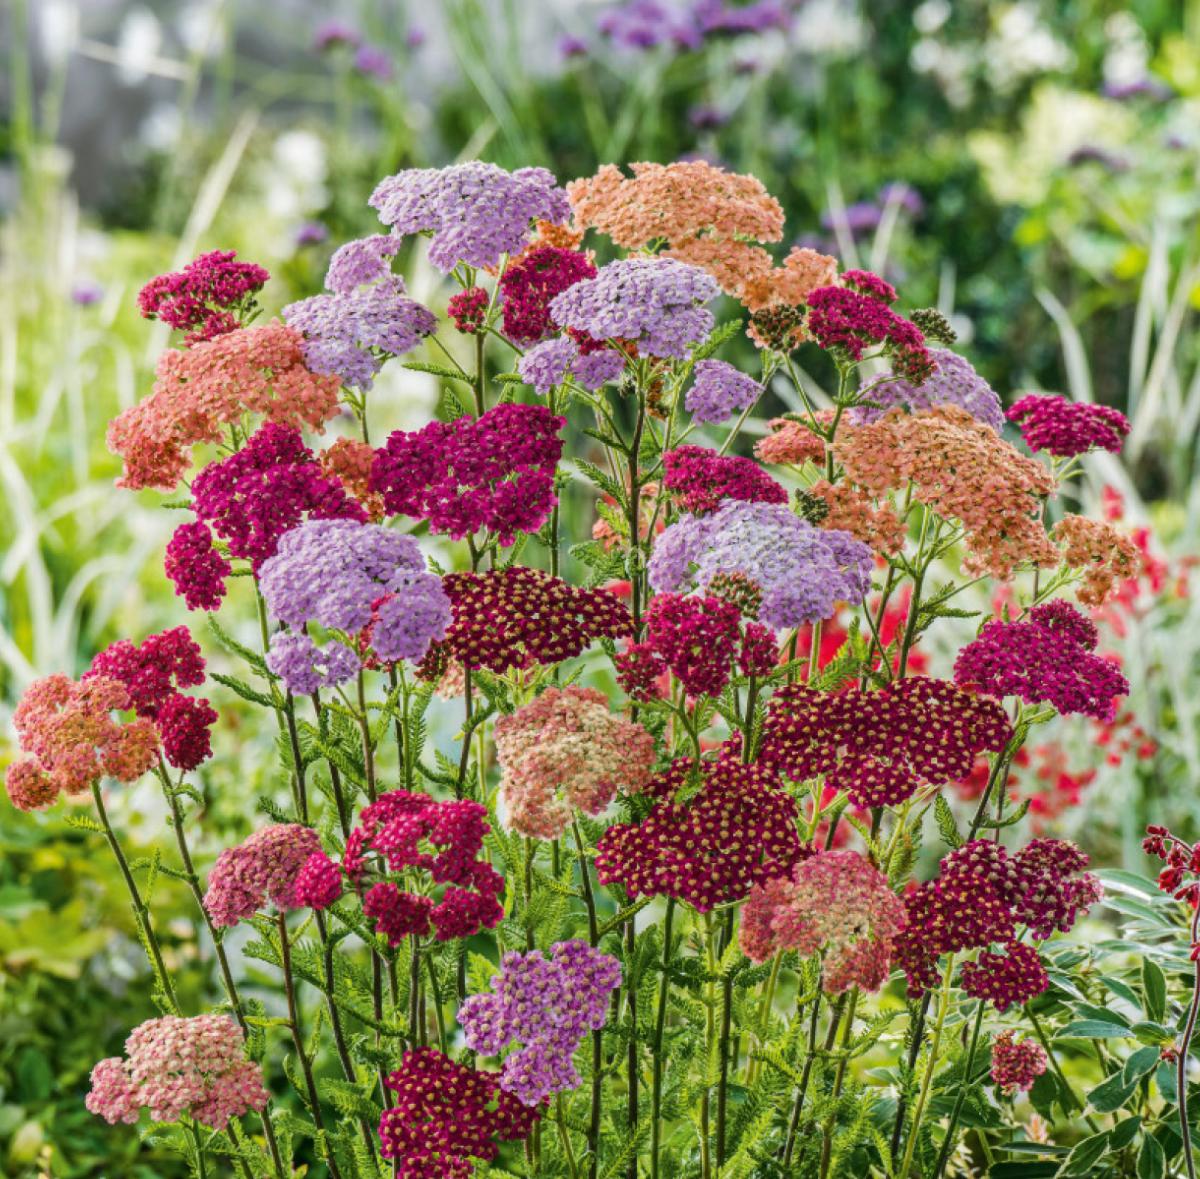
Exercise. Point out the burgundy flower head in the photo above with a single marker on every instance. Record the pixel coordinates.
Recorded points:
(530, 282)
(702, 479)
(1066, 428)
(211, 295)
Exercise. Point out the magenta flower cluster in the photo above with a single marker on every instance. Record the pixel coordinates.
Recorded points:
(547, 1005)
(701, 479)
(206, 298)
(1066, 428)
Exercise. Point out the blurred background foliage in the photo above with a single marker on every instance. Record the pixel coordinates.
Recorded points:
(1029, 167)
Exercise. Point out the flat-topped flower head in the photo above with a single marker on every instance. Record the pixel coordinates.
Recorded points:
(565, 751)
(842, 507)
(71, 739)
(260, 871)
(1047, 657)
(211, 295)
(1105, 555)
(362, 261)
(1065, 428)
(547, 1006)
(719, 391)
(658, 304)
(514, 617)
(530, 282)
(803, 572)
(953, 382)
(736, 831)
(963, 470)
(179, 1067)
(445, 1115)
(792, 442)
(154, 670)
(494, 472)
(701, 479)
(304, 667)
(258, 370)
(834, 903)
(475, 212)
(1016, 1064)
(350, 335)
(550, 363)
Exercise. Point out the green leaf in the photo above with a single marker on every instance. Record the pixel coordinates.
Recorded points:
(946, 824)
(1123, 1133)
(1151, 1163)
(83, 823)
(242, 689)
(1154, 987)
(1093, 1029)
(437, 370)
(1085, 1154)
(1143, 1061)
(1112, 1093)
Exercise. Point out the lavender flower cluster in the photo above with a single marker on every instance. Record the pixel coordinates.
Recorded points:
(953, 382)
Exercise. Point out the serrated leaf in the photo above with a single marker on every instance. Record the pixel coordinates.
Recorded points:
(244, 690)
(436, 370)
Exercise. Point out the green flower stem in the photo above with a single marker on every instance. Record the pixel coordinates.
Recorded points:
(723, 1050)
(1076, 1100)
(297, 1030)
(368, 749)
(565, 1136)
(838, 1080)
(464, 757)
(927, 1080)
(660, 1023)
(593, 1136)
(335, 777)
(956, 1113)
(201, 1166)
(140, 911)
(1185, 1132)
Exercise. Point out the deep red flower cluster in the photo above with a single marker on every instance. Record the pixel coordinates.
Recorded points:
(447, 1114)
(702, 479)
(980, 897)
(1047, 657)
(468, 309)
(736, 831)
(697, 640)
(403, 831)
(880, 747)
(195, 566)
(513, 617)
(152, 674)
(531, 281)
(1065, 428)
(207, 298)
(853, 317)
(1181, 859)
(494, 472)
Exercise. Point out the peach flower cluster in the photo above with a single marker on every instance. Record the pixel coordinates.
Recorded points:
(851, 510)
(1106, 556)
(257, 370)
(792, 442)
(73, 740)
(349, 461)
(962, 470)
(707, 216)
(565, 751)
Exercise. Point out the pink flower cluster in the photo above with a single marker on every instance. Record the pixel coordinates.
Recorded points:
(176, 1067)
(834, 903)
(1066, 428)
(981, 896)
(211, 295)
(153, 673)
(881, 746)
(702, 479)
(1050, 657)
(391, 837)
(565, 751)
(531, 281)
(494, 472)
(446, 1114)
(468, 310)
(257, 370)
(263, 869)
(1016, 1064)
(73, 740)
(851, 317)
(736, 831)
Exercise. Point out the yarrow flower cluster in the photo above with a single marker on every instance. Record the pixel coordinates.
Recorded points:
(475, 212)
(953, 382)
(1016, 1064)
(402, 832)
(259, 370)
(881, 746)
(792, 442)
(179, 1067)
(305, 668)
(349, 335)
(494, 472)
(468, 310)
(445, 1115)
(72, 739)
(1064, 428)
(701, 479)
(515, 617)
(656, 303)
(844, 508)
(1106, 556)
(1049, 656)
(802, 572)
(736, 831)
(981, 896)
(530, 282)
(961, 469)
(719, 391)
(547, 1005)
(549, 363)
(211, 295)
(565, 751)
(153, 673)
(262, 869)
(347, 575)
(834, 903)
